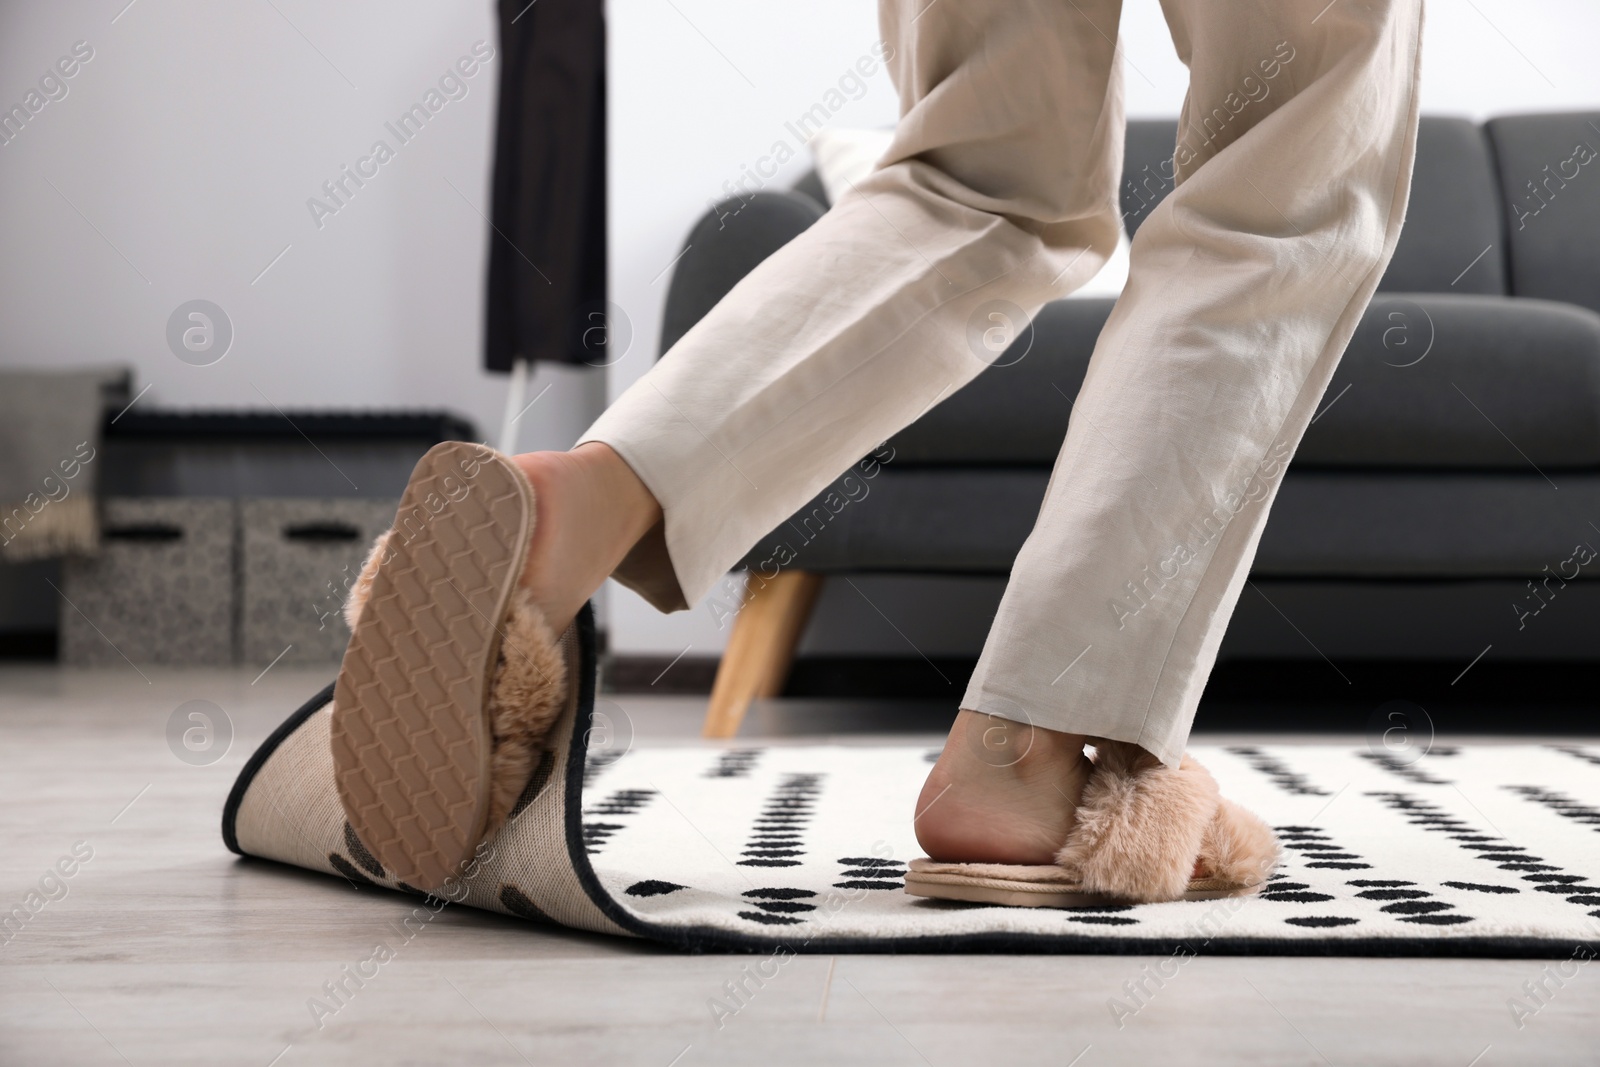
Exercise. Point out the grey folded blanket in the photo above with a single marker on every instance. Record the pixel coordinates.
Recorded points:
(49, 441)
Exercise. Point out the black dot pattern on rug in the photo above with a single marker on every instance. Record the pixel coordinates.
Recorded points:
(596, 834)
(1561, 804)
(652, 887)
(870, 872)
(348, 869)
(1314, 849)
(1478, 887)
(1278, 772)
(536, 783)
(518, 904)
(1410, 771)
(779, 906)
(1504, 855)
(779, 894)
(1102, 920)
(932, 755)
(777, 834)
(1318, 850)
(770, 920)
(1481, 846)
(1403, 899)
(359, 853)
(620, 803)
(1280, 888)
(734, 763)
(596, 763)
(1578, 753)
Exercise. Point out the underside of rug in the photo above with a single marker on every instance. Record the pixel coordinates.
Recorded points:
(1484, 850)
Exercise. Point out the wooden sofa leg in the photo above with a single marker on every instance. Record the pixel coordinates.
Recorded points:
(761, 647)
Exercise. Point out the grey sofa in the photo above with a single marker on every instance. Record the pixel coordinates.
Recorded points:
(1437, 504)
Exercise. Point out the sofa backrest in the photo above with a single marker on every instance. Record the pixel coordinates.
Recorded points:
(1453, 236)
(1508, 208)
(1453, 239)
(1549, 169)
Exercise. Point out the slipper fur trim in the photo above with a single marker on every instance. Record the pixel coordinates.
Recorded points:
(1238, 846)
(362, 588)
(1141, 824)
(525, 697)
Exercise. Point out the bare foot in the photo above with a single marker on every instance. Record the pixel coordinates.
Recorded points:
(1002, 792)
(591, 510)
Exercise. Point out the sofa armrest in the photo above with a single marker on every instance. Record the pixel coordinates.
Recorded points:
(1466, 382)
(726, 244)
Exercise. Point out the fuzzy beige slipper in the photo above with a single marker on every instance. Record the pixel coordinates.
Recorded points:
(452, 676)
(1144, 832)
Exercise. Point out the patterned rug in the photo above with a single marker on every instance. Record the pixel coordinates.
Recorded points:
(1483, 850)
(1474, 849)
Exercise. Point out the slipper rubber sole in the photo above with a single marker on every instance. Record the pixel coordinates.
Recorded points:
(1020, 893)
(411, 736)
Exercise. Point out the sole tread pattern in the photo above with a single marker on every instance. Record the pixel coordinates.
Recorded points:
(410, 733)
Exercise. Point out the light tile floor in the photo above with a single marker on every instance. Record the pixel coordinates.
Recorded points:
(166, 949)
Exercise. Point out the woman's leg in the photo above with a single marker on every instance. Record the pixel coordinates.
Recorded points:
(1000, 184)
(1293, 167)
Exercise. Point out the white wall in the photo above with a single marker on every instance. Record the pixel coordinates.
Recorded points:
(189, 145)
(701, 88)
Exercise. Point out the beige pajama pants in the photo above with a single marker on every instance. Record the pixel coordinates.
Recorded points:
(1292, 169)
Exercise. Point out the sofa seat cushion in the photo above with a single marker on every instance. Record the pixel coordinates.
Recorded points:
(1348, 524)
(1464, 383)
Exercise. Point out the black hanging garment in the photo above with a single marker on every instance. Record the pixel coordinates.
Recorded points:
(547, 251)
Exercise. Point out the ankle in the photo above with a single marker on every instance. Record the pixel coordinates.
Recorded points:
(627, 500)
(980, 742)
(1001, 792)
(591, 510)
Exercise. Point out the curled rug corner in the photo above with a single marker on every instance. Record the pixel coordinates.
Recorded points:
(285, 807)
